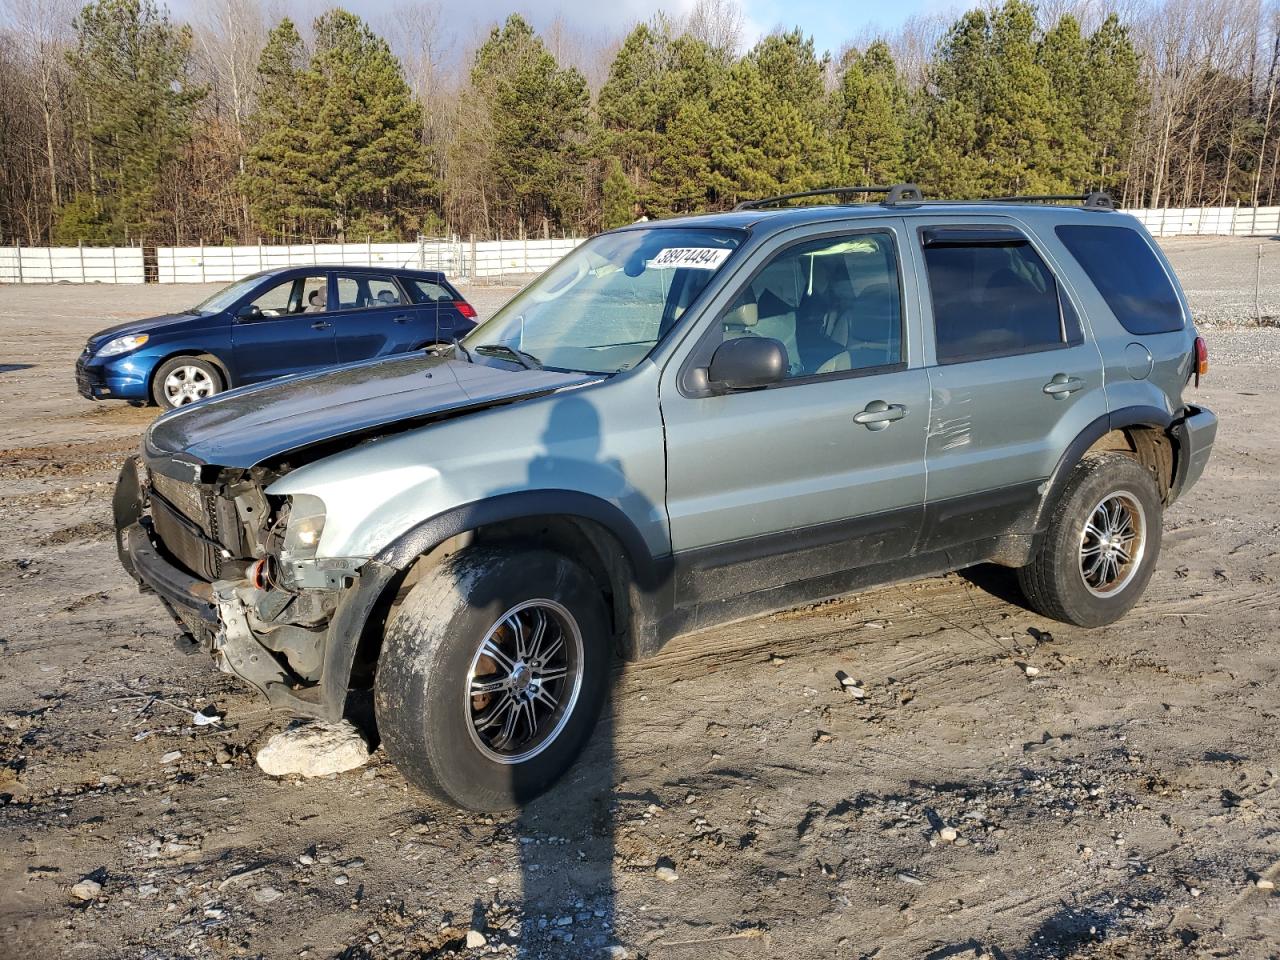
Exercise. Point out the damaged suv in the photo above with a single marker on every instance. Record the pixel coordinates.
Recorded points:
(681, 424)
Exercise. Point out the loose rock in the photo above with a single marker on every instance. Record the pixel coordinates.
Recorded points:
(86, 889)
(475, 940)
(314, 750)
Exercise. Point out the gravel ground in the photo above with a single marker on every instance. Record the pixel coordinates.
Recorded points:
(1121, 802)
(1229, 280)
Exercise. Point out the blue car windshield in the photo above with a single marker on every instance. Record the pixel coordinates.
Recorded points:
(225, 297)
(607, 304)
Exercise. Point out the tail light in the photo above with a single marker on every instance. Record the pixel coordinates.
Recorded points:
(1202, 359)
(464, 308)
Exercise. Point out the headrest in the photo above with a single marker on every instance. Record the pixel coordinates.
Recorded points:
(743, 315)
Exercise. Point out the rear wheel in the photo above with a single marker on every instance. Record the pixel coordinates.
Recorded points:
(1101, 546)
(492, 675)
(183, 380)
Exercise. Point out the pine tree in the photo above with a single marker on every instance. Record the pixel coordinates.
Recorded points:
(526, 137)
(131, 68)
(368, 167)
(617, 197)
(1064, 56)
(989, 114)
(767, 134)
(869, 114)
(1114, 95)
(273, 179)
(653, 79)
(946, 141)
(1019, 110)
(338, 150)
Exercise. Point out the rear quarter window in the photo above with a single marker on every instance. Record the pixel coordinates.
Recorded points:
(1127, 273)
(428, 291)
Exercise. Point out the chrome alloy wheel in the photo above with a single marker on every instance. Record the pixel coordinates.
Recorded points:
(186, 385)
(524, 681)
(1112, 544)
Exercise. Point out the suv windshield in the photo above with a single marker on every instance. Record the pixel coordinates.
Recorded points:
(608, 303)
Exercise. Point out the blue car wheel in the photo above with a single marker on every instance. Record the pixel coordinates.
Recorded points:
(183, 380)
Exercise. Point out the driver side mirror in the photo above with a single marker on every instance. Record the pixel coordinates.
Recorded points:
(747, 363)
(249, 313)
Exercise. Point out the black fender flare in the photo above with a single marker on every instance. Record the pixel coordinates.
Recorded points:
(1136, 416)
(650, 590)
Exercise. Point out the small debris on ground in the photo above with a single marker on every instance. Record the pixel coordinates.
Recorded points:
(315, 749)
(87, 889)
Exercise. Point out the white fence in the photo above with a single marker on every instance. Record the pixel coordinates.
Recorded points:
(460, 259)
(71, 265)
(1211, 221)
(463, 260)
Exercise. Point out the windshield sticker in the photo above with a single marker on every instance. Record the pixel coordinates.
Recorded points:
(695, 258)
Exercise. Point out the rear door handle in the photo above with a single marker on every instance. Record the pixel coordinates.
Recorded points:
(403, 319)
(1062, 386)
(877, 415)
(321, 325)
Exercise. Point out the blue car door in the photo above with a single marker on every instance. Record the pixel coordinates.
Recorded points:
(374, 318)
(283, 329)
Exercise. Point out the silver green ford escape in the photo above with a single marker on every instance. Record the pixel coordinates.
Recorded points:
(680, 424)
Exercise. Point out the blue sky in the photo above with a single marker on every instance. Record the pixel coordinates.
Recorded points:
(831, 23)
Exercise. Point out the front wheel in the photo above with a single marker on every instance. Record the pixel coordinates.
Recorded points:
(1101, 545)
(183, 380)
(492, 675)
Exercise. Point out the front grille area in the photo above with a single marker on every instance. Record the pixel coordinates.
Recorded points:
(187, 497)
(195, 527)
(185, 542)
(83, 386)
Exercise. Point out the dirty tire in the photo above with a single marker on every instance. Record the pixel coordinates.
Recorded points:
(1053, 582)
(421, 690)
(206, 374)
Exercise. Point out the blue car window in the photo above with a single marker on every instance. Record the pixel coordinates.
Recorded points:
(277, 300)
(426, 291)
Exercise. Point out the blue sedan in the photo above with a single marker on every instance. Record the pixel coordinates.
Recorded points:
(271, 324)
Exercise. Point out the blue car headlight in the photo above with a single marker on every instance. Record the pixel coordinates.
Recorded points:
(121, 345)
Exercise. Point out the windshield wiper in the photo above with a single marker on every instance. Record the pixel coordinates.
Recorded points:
(458, 348)
(526, 360)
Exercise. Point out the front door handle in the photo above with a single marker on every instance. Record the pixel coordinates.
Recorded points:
(321, 325)
(1062, 386)
(404, 319)
(877, 415)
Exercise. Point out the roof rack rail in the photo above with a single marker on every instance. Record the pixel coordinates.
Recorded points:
(898, 193)
(1095, 200)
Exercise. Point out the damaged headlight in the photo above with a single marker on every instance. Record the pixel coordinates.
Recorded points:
(306, 524)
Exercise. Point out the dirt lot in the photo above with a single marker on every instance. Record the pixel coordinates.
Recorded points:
(1123, 802)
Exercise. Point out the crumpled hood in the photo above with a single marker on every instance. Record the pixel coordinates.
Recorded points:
(149, 325)
(244, 427)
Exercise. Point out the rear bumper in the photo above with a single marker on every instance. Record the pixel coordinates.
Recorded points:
(1195, 433)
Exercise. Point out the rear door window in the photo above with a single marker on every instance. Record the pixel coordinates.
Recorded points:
(1127, 273)
(365, 292)
(993, 295)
